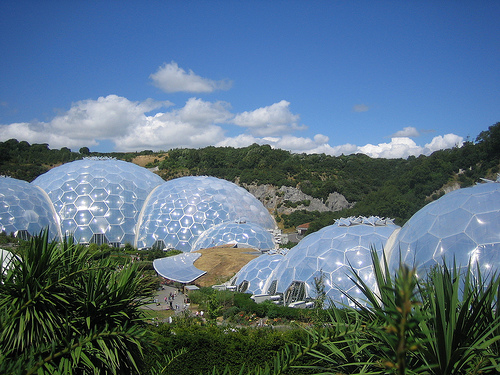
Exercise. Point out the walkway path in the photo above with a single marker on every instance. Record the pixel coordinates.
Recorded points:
(163, 304)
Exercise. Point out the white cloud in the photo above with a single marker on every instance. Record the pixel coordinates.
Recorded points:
(85, 123)
(360, 108)
(160, 134)
(399, 147)
(242, 140)
(40, 133)
(195, 125)
(102, 118)
(131, 127)
(408, 131)
(271, 120)
(443, 142)
(402, 147)
(171, 78)
(317, 145)
(201, 113)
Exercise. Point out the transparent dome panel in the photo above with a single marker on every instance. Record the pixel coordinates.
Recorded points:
(461, 222)
(256, 272)
(100, 188)
(19, 213)
(349, 241)
(206, 201)
(244, 234)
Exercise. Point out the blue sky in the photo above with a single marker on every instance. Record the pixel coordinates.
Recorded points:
(386, 78)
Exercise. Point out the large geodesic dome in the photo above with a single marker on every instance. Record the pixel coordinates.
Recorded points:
(238, 234)
(98, 199)
(252, 277)
(25, 210)
(329, 254)
(179, 210)
(461, 226)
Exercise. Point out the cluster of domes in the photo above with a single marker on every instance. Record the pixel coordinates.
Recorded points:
(328, 254)
(104, 200)
(180, 210)
(462, 226)
(110, 201)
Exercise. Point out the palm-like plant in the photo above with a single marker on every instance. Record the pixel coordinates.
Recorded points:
(63, 312)
(447, 324)
(462, 329)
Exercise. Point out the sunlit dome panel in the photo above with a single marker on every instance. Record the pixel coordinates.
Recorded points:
(179, 267)
(188, 206)
(98, 195)
(256, 272)
(331, 252)
(461, 226)
(240, 234)
(25, 209)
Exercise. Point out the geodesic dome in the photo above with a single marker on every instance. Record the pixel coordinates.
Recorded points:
(241, 234)
(330, 253)
(25, 210)
(178, 211)
(98, 199)
(179, 267)
(252, 277)
(462, 225)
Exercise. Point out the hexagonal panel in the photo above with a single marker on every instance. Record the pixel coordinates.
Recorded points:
(105, 188)
(457, 226)
(18, 211)
(198, 203)
(244, 234)
(329, 251)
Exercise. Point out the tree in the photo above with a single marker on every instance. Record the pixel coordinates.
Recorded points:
(63, 312)
(84, 151)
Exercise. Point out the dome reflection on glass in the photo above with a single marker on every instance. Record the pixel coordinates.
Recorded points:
(178, 211)
(330, 252)
(460, 226)
(252, 277)
(25, 210)
(98, 200)
(241, 234)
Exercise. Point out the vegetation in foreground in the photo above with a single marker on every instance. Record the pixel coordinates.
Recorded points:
(448, 323)
(63, 311)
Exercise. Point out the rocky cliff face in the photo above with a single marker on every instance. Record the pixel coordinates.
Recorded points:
(285, 200)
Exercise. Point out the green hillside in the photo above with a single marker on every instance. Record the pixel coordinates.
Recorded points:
(395, 188)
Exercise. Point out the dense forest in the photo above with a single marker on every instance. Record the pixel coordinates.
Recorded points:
(394, 188)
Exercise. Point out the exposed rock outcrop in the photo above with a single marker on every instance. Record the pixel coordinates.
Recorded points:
(285, 200)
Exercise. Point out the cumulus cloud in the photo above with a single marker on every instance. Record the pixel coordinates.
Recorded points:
(408, 131)
(163, 133)
(171, 78)
(399, 147)
(85, 123)
(201, 113)
(443, 142)
(360, 108)
(402, 147)
(271, 120)
(317, 145)
(194, 125)
(149, 124)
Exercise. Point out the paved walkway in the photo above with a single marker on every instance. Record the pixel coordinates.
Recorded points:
(163, 301)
